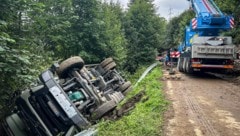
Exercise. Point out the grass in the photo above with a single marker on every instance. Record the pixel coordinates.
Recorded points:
(146, 119)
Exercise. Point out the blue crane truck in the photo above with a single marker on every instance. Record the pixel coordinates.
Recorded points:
(204, 48)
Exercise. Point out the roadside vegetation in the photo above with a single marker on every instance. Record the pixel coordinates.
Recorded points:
(147, 117)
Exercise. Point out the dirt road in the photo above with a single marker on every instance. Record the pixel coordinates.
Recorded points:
(202, 106)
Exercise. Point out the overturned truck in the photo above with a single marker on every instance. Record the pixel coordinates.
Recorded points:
(67, 99)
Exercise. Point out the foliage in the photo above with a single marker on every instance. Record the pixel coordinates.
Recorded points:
(112, 38)
(143, 30)
(176, 28)
(134, 77)
(49, 25)
(232, 7)
(146, 118)
(20, 62)
(95, 32)
(227, 6)
(87, 30)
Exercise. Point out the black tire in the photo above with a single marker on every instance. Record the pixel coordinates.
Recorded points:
(103, 109)
(184, 65)
(68, 64)
(181, 65)
(188, 67)
(110, 66)
(127, 90)
(116, 96)
(124, 87)
(106, 62)
(178, 64)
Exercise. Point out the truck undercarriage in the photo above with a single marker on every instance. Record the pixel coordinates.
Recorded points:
(67, 99)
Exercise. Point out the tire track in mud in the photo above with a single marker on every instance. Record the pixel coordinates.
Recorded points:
(198, 115)
(202, 105)
(195, 115)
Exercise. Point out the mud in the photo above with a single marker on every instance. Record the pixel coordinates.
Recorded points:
(126, 107)
(202, 105)
(236, 72)
(236, 81)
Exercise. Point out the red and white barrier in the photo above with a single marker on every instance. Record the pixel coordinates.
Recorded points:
(175, 54)
(232, 22)
(194, 23)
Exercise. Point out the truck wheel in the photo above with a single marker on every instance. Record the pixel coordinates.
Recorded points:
(184, 65)
(116, 96)
(68, 64)
(110, 66)
(124, 87)
(106, 62)
(127, 90)
(188, 66)
(179, 65)
(103, 109)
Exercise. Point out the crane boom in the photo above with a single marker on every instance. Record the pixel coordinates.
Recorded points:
(205, 6)
(209, 20)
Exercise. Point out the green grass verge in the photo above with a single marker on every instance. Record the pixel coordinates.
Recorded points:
(146, 119)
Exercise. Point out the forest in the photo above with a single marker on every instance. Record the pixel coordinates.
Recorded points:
(35, 33)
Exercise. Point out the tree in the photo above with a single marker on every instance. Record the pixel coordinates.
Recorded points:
(19, 63)
(50, 25)
(87, 30)
(143, 29)
(231, 7)
(176, 29)
(112, 40)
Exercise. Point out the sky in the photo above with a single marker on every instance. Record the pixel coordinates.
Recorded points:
(164, 6)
